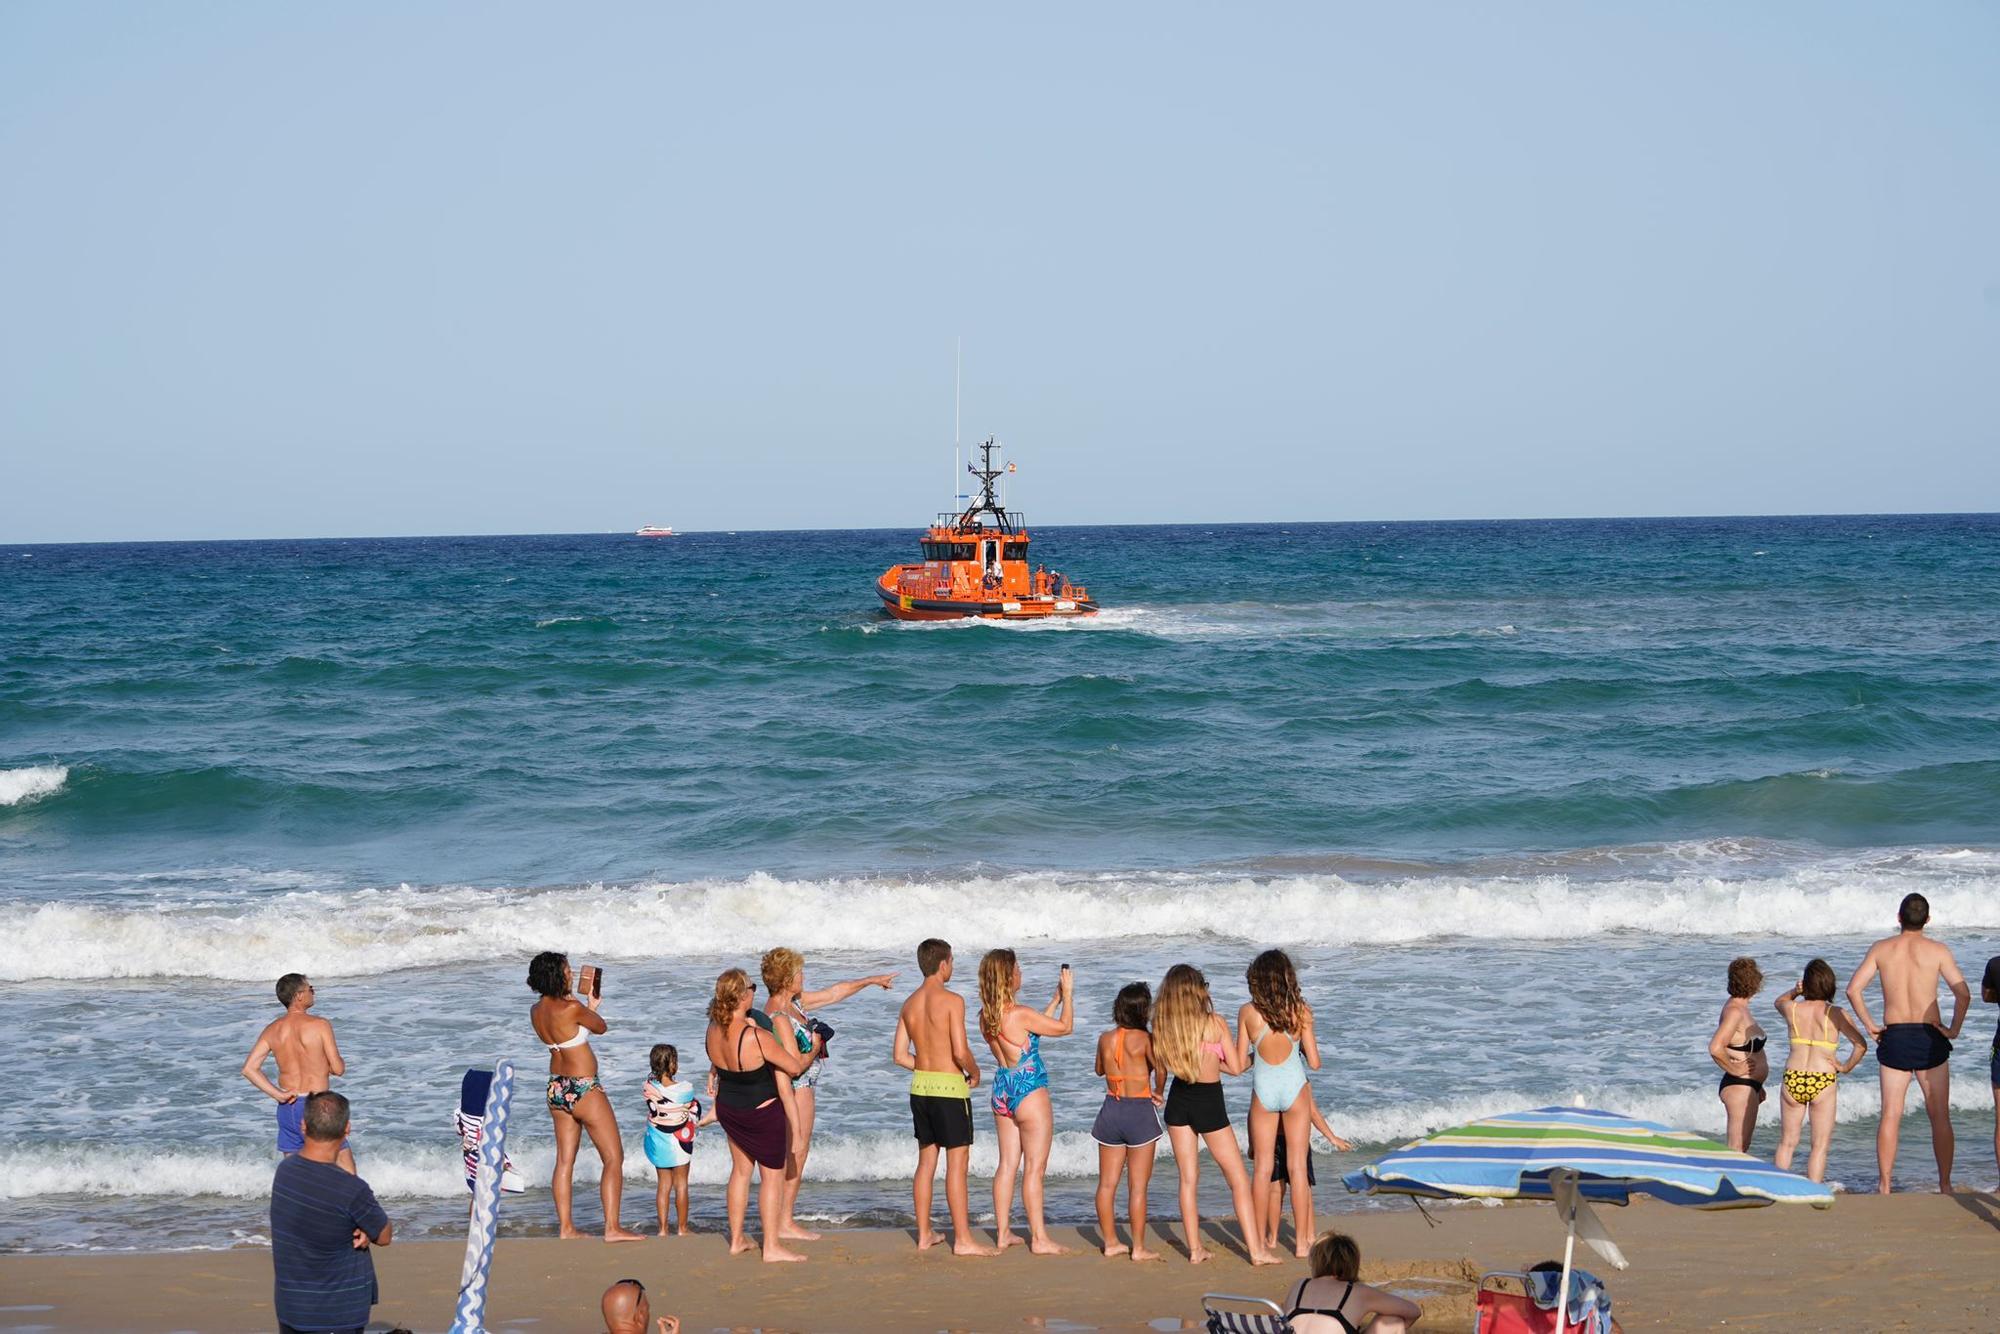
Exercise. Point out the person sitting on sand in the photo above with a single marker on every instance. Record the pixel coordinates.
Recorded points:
(577, 1103)
(1127, 1129)
(791, 1005)
(1023, 1120)
(308, 1059)
(1812, 1073)
(930, 1043)
(1910, 1042)
(626, 1311)
(1192, 1042)
(1335, 1301)
(754, 1107)
(1738, 1051)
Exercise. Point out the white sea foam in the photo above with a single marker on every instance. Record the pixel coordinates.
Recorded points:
(18, 787)
(359, 932)
(434, 1171)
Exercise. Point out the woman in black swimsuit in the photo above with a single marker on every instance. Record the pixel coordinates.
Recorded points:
(1738, 1051)
(1332, 1300)
(752, 1106)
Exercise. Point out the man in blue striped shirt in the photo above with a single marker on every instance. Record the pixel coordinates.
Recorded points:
(323, 1220)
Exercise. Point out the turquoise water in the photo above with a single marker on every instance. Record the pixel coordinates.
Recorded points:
(1424, 756)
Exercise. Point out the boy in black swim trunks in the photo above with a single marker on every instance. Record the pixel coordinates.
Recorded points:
(931, 1045)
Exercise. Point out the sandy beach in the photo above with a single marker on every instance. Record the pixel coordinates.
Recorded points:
(1904, 1262)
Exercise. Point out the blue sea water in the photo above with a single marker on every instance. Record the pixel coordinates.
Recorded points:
(1514, 793)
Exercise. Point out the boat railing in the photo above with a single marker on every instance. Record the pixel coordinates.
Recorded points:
(1016, 523)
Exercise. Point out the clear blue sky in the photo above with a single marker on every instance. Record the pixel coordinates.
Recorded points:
(296, 270)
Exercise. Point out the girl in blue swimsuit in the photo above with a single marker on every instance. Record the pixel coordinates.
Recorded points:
(1274, 1037)
(1022, 1117)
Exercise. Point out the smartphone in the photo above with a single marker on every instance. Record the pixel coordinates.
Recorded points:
(591, 982)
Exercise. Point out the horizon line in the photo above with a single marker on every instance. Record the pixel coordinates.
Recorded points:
(1157, 523)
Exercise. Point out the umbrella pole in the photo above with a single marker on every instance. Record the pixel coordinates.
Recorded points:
(1562, 1292)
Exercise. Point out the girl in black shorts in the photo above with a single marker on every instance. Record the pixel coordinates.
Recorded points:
(1191, 1040)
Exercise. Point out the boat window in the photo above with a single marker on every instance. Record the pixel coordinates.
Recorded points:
(1017, 551)
(949, 551)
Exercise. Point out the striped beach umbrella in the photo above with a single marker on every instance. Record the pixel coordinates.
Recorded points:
(1572, 1155)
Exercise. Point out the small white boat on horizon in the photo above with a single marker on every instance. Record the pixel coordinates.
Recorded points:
(655, 530)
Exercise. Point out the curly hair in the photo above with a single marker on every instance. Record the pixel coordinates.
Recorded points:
(1180, 1020)
(1274, 990)
(996, 989)
(780, 966)
(546, 974)
(730, 989)
(1745, 977)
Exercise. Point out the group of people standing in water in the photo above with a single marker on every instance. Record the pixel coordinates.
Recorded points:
(1162, 1060)
(1913, 1045)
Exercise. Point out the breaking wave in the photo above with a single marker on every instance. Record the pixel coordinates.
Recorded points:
(18, 787)
(372, 931)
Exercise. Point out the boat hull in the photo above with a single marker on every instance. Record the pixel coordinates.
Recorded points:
(906, 608)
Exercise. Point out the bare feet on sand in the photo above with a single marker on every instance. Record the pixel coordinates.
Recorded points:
(1002, 1240)
(797, 1233)
(971, 1248)
(1116, 1248)
(1198, 1255)
(927, 1239)
(779, 1255)
(1044, 1246)
(741, 1245)
(569, 1233)
(1143, 1255)
(620, 1234)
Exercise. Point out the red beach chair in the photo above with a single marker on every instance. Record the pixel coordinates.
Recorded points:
(1496, 1310)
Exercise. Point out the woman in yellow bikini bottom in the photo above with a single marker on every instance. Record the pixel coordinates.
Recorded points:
(1810, 1077)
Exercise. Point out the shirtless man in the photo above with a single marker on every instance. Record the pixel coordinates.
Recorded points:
(308, 1059)
(931, 1045)
(1910, 1040)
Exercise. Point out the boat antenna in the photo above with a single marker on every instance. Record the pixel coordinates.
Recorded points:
(957, 384)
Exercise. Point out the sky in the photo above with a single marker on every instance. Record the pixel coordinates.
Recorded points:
(316, 270)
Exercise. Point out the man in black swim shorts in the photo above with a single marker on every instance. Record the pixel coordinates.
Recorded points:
(1911, 1042)
(1989, 991)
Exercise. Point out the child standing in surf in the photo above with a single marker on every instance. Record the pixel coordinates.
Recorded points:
(673, 1114)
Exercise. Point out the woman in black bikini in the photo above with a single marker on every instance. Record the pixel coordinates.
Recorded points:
(753, 1105)
(1738, 1051)
(576, 1100)
(1332, 1300)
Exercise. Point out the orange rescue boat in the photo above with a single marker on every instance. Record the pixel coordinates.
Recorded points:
(976, 564)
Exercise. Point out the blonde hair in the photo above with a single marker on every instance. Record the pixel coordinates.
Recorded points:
(730, 989)
(1180, 1020)
(1274, 990)
(780, 966)
(996, 990)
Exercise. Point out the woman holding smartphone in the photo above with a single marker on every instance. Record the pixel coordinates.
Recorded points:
(564, 1022)
(1022, 1117)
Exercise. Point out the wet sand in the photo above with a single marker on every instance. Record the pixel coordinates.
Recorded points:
(1905, 1262)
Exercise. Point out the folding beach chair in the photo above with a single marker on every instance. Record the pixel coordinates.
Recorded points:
(1263, 1315)
(1497, 1310)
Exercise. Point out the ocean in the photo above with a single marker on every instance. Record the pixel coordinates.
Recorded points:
(1513, 794)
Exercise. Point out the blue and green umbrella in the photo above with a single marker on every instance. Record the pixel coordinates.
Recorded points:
(1572, 1155)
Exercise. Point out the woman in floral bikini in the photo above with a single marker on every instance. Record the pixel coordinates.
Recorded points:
(576, 1103)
